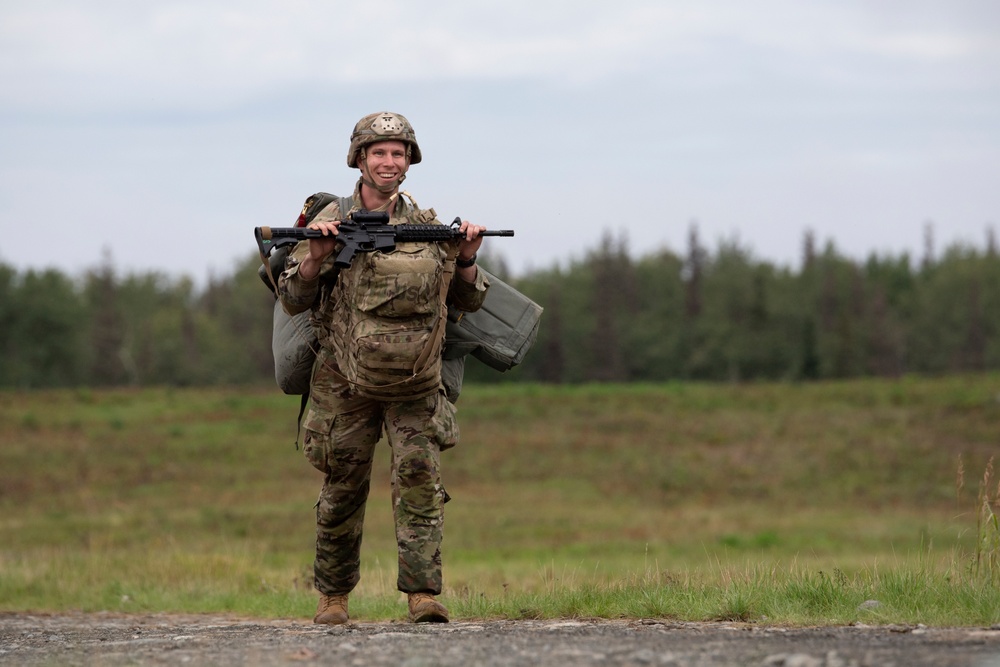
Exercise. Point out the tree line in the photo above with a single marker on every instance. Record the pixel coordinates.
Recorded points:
(709, 315)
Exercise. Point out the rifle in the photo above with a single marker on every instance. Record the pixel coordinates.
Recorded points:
(364, 231)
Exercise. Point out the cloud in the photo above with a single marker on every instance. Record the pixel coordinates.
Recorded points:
(211, 55)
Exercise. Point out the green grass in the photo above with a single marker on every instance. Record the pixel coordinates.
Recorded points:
(773, 502)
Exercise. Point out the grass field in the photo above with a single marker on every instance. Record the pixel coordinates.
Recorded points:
(790, 503)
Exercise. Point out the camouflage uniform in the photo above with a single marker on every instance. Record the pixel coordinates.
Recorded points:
(342, 428)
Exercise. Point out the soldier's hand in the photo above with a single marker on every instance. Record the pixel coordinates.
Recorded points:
(319, 249)
(471, 241)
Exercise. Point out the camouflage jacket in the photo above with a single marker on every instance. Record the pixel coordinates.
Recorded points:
(298, 295)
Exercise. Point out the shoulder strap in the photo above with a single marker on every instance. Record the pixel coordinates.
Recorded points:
(321, 200)
(346, 204)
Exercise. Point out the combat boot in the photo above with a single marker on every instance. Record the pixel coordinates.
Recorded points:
(332, 609)
(425, 609)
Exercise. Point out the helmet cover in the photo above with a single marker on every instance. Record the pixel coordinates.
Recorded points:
(382, 126)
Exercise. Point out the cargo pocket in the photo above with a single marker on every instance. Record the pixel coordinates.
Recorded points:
(316, 444)
(445, 422)
(402, 283)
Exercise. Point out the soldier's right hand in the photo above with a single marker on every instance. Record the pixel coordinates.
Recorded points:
(319, 249)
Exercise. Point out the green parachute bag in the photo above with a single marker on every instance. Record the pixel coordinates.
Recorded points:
(500, 333)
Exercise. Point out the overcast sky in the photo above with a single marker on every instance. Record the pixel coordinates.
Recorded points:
(163, 132)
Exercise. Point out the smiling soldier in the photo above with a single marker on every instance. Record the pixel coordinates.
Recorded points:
(380, 327)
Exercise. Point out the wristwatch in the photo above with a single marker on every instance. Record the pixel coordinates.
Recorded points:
(465, 263)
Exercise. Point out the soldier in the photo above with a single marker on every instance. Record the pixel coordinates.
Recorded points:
(380, 325)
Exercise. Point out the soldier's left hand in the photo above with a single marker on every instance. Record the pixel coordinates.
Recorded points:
(471, 242)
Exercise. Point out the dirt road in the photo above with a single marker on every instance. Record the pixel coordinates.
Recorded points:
(107, 639)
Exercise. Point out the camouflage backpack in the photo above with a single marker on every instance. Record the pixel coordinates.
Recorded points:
(387, 319)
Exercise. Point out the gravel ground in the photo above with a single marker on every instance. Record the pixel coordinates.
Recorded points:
(111, 639)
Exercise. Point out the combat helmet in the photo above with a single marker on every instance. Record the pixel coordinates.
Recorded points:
(382, 126)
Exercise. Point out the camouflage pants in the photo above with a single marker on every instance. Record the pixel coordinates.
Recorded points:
(341, 431)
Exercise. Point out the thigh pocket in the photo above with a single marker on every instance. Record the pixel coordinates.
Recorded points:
(317, 442)
(445, 422)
